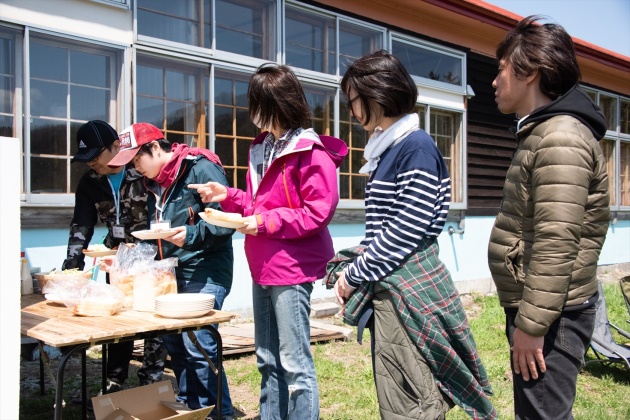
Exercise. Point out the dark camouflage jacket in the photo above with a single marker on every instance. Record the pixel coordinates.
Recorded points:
(94, 202)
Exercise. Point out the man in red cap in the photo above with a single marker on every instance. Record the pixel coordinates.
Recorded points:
(204, 252)
(116, 196)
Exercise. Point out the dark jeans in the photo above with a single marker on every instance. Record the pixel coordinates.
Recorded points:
(551, 396)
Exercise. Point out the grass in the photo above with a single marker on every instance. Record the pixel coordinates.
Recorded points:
(347, 391)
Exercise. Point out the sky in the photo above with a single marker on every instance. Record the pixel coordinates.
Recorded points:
(605, 23)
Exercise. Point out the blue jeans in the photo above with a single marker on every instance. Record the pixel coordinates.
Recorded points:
(197, 383)
(288, 387)
(551, 396)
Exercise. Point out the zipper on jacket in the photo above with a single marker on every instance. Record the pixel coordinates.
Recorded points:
(286, 188)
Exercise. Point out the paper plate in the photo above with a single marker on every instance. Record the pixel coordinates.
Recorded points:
(151, 234)
(223, 223)
(183, 314)
(95, 254)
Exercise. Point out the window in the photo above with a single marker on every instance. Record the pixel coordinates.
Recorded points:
(69, 85)
(615, 145)
(233, 129)
(245, 27)
(169, 96)
(446, 130)
(8, 59)
(430, 63)
(311, 41)
(351, 183)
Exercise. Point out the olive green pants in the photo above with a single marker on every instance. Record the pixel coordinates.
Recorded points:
(405, 385)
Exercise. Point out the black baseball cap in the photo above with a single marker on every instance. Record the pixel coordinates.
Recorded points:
(92, 137)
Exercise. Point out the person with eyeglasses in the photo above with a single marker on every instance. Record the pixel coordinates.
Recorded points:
(116, 197)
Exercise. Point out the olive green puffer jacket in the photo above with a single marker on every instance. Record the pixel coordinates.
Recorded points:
(554, 217)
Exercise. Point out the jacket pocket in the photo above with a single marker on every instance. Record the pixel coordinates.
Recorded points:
(514, 262)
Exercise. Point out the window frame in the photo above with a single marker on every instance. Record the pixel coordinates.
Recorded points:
(437, 48)
(618, 138)
(116, 113)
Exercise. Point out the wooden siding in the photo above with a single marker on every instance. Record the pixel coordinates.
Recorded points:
(490, 144)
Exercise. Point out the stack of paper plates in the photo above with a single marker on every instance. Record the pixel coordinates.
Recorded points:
(184, 305)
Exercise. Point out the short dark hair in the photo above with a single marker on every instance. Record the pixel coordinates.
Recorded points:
(277, 99)
(546, 48)
(380, 78)
(146, 149)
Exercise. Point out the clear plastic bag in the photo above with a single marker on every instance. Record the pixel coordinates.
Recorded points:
(85, 297)
(123, 270)
(152, 279)
(141, 278)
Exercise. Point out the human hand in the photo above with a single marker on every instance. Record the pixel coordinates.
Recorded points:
(105, 263)
(527, 354)
(251, 226)
(343, 290)
(178, 237)
(210, 192)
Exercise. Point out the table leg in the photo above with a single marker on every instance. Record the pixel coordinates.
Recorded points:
(60, 372)
(218, 369)
(83, 385)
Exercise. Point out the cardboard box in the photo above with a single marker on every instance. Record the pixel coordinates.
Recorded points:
(150, 402)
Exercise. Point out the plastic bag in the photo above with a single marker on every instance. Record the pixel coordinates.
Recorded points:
(99, 299)
(152, 279)
(122, 272)
(85, 297)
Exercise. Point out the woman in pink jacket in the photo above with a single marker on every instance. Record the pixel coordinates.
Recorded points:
(290, 200)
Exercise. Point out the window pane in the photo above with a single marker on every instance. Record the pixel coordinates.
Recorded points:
(48, 137)
(246, 27)
(608, 104)
(89, 104)
(446, 131)
(48, 62)
(355, 42)
(309, 40)
(183, 21)
(8, 40)
(48, 175)
(352, 184)
(320, 102)
(429, 64)
(70, 83)
(233, 129)
(181, 105)
(150, 110)
(625, 116)
(151, 82)
(49, 99)
(608, 149)
(624, 173)
(89, 69)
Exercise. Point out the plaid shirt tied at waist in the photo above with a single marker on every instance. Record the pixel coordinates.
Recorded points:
(434, 318)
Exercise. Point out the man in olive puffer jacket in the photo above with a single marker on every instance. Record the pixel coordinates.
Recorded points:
(554, 217)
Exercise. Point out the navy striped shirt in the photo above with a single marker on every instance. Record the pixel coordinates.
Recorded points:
(406, 199)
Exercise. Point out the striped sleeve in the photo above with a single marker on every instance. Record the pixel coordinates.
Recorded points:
(399, 214)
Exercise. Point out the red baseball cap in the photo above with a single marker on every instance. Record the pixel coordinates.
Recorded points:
(131, 138)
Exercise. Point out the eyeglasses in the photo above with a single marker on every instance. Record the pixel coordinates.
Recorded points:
(97, 155)
(349, 102)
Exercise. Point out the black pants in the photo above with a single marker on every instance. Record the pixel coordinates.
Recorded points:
(551, 396)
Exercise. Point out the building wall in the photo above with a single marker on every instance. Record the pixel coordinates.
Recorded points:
(463, 25)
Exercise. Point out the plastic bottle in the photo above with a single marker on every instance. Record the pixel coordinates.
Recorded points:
(27, 280)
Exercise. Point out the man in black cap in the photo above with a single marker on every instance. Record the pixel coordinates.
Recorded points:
(117, 197)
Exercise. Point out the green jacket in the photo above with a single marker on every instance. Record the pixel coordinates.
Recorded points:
(554, 216)
(207, 252)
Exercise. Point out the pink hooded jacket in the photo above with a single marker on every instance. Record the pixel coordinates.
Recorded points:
(294, 203)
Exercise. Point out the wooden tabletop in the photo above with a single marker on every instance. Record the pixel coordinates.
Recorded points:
(55, 325)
